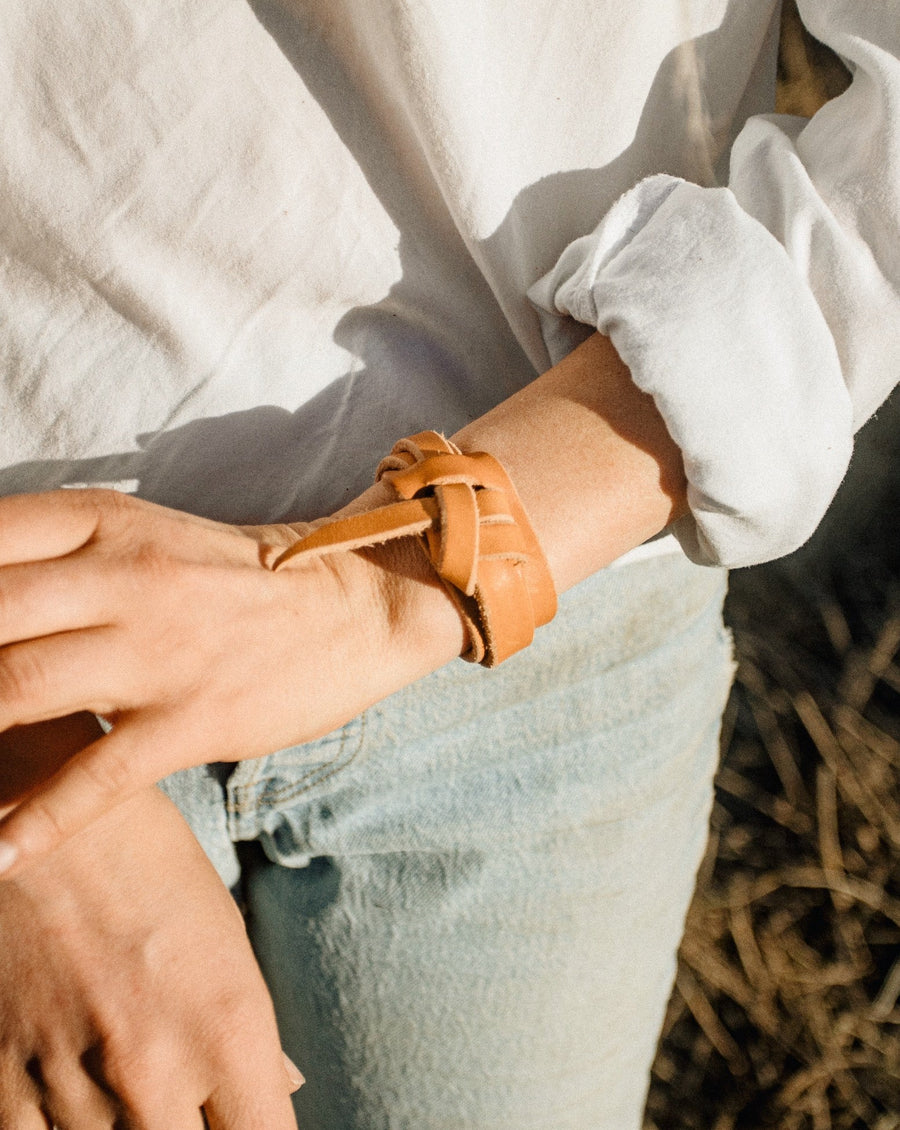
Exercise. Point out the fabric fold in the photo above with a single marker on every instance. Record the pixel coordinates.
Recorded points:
(763, 318)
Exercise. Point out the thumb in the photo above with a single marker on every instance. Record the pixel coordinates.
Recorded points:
(86, 787)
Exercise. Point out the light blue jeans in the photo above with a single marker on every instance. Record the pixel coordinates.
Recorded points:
(467, 901)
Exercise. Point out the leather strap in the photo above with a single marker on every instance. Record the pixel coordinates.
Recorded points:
(468, 518)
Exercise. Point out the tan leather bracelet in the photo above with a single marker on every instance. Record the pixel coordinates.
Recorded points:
(468, 518)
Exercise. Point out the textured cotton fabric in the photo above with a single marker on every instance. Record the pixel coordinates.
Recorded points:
(244, 246)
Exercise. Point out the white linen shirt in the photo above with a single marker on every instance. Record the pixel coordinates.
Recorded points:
(244, 246)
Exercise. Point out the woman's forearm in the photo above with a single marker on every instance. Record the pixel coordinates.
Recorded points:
(178, 629)
(590, 458)
(594, 466)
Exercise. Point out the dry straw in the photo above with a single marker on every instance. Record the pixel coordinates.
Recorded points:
(786, 1007)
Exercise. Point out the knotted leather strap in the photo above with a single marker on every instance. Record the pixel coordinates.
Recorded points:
(474, 529)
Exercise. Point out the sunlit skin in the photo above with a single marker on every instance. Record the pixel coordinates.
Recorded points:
(153, 619)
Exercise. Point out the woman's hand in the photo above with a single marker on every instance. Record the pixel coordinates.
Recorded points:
(176, 630)
(129, 995)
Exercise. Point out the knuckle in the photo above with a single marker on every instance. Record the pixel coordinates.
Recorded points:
(16, 1081)
(133, 1070)
(152, 562)
(150, 1075)
(243, 1023)
(219, 1027)
(108, 774)
(107, 512)
(46, 825)
(98, 503)
(23, 677)
(98, 499)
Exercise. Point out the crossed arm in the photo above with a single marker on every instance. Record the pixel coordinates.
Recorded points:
(154, 618)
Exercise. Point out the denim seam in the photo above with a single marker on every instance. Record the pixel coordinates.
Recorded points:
(241, 805)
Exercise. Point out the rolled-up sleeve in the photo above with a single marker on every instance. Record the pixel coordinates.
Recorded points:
(763, 317)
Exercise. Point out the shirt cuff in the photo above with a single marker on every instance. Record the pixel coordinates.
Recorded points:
(713, 320)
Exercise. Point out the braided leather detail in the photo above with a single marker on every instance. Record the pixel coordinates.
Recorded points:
(474, 529)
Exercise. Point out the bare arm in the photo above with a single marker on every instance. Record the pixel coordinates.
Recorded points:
(591, 460)
(156, 618)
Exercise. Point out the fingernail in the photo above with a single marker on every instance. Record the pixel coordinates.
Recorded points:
(8, 856)
(293, 1072)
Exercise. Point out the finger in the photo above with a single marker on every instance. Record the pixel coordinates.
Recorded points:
(63, 674)
(46, 597)
(37, 527)
(23, 1118)
(40, 527)
(72, 1099)
(255, 1090)
(93, 782)
(145, 1086)
(296, 1078)
(256, 1106)
(19, 1095)
(159, 1115)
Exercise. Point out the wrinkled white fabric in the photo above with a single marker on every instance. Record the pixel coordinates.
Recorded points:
(763, 318)
(245, 245)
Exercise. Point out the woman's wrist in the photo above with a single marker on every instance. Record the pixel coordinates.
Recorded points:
(421, 621)
(589, 457)
(464, 513)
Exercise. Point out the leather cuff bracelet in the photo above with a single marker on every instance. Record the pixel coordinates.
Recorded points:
(468, 518)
